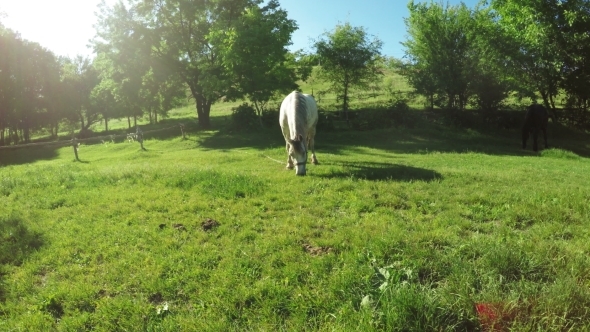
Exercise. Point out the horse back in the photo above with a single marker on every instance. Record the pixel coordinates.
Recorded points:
(312, 111)
(298, 109)
(536, 117)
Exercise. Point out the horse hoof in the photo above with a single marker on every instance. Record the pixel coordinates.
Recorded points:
(289, 167)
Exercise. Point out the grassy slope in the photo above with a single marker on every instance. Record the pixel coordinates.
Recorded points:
(399, 229)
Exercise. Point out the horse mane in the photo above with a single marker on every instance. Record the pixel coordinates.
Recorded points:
(300, 115)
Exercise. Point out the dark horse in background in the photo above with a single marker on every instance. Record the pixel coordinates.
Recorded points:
(535, 120)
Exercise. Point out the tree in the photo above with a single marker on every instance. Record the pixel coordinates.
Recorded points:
(28, 76)
(103, 102)
(194, 38)
(490, 82)
(159, 93)
(80, 77)
(254, 52)
(348, 59)
(8, 41)
(441, 49)
(136, 85)
(530, 51)
(553, 45)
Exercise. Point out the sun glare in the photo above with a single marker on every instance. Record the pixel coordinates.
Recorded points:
(63, 26)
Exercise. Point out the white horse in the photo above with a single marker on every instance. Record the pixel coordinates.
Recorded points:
(298, 119)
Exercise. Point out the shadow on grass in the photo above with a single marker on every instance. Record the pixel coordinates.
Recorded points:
(21, 156)
(16, 243)
(433, 138)
(411, 141)
(381, 172)
(262, 138)
(165, 129)
(422, 139)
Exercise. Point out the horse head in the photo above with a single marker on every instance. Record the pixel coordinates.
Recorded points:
(298, 151)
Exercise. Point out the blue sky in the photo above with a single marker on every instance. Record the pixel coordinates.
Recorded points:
(66, 26)
(381, 18)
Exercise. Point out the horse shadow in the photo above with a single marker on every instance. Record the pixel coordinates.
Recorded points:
(378, 171)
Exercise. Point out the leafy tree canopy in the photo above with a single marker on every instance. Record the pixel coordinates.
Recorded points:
(348, 57)
(217, 48)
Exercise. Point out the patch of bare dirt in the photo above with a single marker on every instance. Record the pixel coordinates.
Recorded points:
(316, 251)
(179, 227)
(156, 298)
(209, 224)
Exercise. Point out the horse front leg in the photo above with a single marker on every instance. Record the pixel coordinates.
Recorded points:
(289, 159)
(545, 137)
(525, 137)
(311, 145)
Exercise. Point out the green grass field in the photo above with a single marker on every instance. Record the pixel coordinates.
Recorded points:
(396, 230)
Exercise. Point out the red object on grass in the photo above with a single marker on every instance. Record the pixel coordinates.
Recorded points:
(490, 316)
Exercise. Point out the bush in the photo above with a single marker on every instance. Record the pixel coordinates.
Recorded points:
(244, 117)
(396, 113)
(400, 113)
(85, 133)
(325, 121)
(480, 119)
(505, 119)
(270, 118)
(489, 93)
(369, 119)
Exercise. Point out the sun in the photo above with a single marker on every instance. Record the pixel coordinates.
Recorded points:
(63, 26)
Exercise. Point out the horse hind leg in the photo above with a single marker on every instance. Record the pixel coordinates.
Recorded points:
(535, 136)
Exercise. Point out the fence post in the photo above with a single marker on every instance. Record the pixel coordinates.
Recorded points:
(182, 131)
(139, 135)
(75, 146)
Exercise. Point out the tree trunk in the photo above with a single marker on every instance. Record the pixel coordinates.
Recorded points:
(544, 95)
(259, 113)
(451, 100)
(202, 104)
(106, 124)
(56, 127)
(129, 122)
(203, 111)
(462, 101)
(18, 133)
(432, 101)
(345, 103)
(26, 133)
(155, 116)
(135, 121)
(552, 102)
(81, 120)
